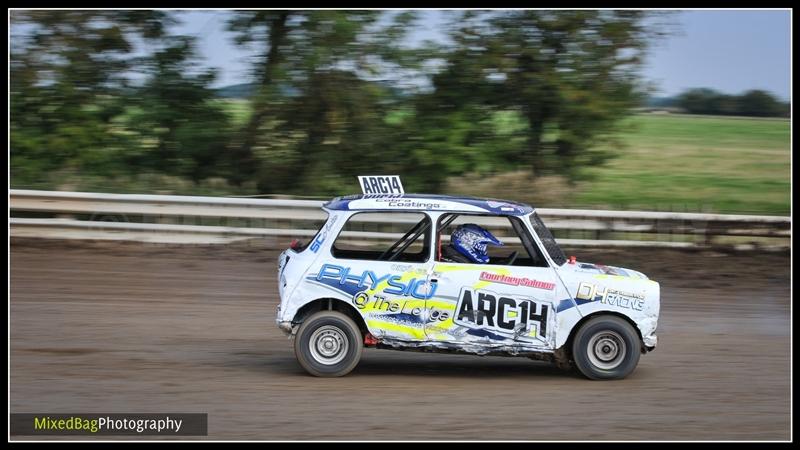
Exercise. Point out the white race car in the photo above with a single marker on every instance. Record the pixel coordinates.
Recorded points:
(448, 284)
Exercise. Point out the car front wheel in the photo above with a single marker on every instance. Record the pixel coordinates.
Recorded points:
(328, 344)
(606, 348)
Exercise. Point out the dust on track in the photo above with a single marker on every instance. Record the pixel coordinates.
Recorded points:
(126, 327)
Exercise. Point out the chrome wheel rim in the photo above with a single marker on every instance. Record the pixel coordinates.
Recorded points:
(328, 345)
(607, 350)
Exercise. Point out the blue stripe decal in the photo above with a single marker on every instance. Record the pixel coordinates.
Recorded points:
(564, 305)
(484, 333)
(348, 288)
(403, 317)
(500, 207)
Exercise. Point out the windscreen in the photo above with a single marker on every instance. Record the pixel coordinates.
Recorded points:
(549, 242)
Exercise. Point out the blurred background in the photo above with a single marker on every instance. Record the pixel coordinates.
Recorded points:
(609, 122)
(678, 110)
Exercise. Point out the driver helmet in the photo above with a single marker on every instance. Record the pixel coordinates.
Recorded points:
(470, 240)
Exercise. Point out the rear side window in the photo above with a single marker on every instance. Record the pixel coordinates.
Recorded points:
(319, 238)
(384, 236)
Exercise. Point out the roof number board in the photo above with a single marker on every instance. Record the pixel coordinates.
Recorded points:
(380, 184)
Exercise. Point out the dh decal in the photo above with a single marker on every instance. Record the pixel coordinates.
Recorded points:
(593, 293)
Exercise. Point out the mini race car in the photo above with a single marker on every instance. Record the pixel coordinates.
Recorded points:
(446, 283)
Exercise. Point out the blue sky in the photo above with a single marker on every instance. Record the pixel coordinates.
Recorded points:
(730, 51)
(727, 50)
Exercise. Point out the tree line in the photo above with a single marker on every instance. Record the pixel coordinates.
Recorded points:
(752, 103)
(755, 103)
(115, 100)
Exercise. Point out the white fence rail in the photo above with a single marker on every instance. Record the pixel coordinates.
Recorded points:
(169, 218)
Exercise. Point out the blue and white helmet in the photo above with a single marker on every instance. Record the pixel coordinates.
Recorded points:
(470, 240)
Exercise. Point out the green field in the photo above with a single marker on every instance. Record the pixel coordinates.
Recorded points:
(680, 163)
(696, 163)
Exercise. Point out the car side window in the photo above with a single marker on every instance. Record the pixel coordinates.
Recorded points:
(318, 238)
(384, 236)
(518, 248)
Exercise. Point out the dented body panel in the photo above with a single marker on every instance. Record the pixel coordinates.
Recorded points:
(473, 308)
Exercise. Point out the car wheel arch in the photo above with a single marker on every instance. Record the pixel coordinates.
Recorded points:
(568, 343)
(330, 303)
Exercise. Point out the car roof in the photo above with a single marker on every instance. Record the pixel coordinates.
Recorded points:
(427, 202)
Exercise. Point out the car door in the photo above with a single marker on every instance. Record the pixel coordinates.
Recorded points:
(495, 304)
(387, 284)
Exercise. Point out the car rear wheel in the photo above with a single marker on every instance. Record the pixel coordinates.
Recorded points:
(606, 348)
(328, 344)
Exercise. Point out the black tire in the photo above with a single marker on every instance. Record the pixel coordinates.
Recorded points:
(328, 344)
(606, 348)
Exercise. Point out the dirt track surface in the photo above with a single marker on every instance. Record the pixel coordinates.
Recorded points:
(112, 327)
